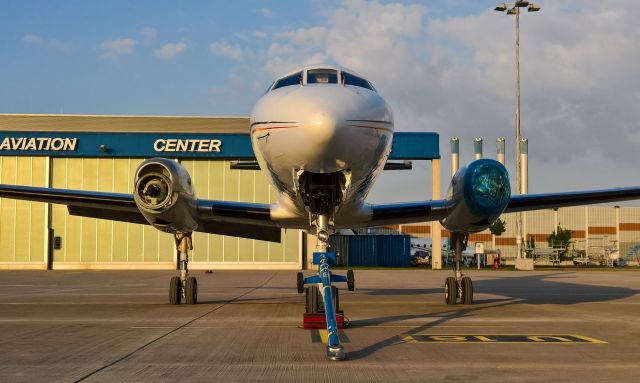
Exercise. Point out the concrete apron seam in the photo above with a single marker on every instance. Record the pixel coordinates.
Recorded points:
(92, 373)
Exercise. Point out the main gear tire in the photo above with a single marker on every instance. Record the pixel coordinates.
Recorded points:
(175, 291)
(450, 291)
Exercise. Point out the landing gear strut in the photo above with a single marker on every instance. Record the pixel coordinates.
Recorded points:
(184, 286)
(322, 283)
(458, 287)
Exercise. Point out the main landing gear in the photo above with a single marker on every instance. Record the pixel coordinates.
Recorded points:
(184, 286)
(458, 287)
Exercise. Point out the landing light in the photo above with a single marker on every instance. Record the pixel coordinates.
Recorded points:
(323, 236)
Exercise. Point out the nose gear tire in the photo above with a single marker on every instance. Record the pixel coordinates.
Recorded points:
(351, 281)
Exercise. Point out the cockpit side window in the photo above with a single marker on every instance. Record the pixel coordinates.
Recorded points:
(294, 79)
(269, 88)
(350, 79)
(322, 76)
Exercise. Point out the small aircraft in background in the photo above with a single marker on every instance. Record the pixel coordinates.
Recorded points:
(322, 134)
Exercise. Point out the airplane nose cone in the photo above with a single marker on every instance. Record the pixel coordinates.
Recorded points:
(322, 127)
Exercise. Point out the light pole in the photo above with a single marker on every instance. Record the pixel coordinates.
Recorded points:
(514, 9)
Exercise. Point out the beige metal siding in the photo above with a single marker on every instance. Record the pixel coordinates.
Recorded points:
(572, 218)
(630, 233)
(540, 222)
(215, 180)
(89, 242)
(23, 234)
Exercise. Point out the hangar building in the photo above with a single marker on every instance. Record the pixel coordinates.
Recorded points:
(103, 152)
(593, 230)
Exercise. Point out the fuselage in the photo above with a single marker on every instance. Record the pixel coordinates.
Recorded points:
(322, 125)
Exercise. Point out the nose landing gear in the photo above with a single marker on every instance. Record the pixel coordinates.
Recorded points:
(322, 284)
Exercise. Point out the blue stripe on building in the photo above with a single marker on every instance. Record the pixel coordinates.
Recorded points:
(406, 145)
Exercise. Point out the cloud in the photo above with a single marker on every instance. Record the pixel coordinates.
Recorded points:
(260, 34)
(114, 48)
(59, 46)
(32, 39)
(52, 44)
(224, 49)
(579, 77)
(171, 50)
(315, 36)
(455, 75)
(267, 12)
(148, 35)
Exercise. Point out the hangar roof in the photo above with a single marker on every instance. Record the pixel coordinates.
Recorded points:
(131, 124)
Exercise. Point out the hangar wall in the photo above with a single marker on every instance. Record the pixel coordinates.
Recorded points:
(101, 244)
(216, 180)
(593, 228)
(90, 242)
(95, 243)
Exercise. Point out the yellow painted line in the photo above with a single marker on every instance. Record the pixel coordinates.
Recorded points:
(591, 340)
(500, 338)
(408, 339)
(324, 336)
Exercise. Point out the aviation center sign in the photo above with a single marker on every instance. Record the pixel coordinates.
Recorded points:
(132, 145)
(38, 143)
(177, 145)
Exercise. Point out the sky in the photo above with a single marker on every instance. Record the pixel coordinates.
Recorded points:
(443, 66)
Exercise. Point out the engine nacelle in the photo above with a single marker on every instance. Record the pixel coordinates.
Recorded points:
(478, 194)
(164, 194)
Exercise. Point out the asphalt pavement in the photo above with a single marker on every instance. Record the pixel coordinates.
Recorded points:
(108, 326)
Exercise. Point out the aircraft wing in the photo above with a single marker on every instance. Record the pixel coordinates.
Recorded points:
(423, 211)
(246, 220)
(408, 212)
(525, 202)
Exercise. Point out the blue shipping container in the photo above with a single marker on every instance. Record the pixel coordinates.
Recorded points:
(374, 250)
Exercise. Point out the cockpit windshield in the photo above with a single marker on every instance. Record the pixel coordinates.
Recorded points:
(322, 76)
(350, 79)
(294, 79)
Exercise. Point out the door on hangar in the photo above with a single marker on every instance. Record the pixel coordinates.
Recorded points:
(23, 224)
(97, 243)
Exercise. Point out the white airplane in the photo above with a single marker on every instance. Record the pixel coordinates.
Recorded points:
(323, 134)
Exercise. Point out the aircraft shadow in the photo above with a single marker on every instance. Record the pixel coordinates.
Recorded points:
(526, 289)
(550, 289)
(530, 289)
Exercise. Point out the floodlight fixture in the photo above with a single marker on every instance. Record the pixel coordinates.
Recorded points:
(533, 7)
(501, 8)
(512, 11)
(521, 4)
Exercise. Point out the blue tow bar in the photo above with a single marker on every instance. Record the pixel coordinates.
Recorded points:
(335, 351)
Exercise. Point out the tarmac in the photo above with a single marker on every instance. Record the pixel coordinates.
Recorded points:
(112, 326)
